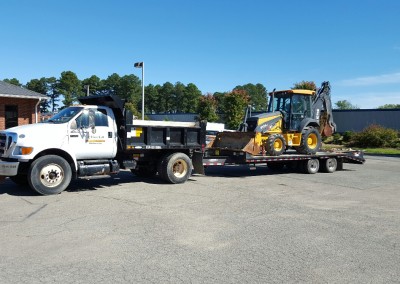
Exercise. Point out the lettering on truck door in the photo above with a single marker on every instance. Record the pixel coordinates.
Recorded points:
(92, 135)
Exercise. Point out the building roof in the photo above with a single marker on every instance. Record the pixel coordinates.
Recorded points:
(13, 91)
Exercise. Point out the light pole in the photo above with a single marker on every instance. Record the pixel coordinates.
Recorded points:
(141, 65)
(87, 89)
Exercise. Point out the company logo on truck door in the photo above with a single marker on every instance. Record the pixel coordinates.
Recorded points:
(135, 132)
(96, 139)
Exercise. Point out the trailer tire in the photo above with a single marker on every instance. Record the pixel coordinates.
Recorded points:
(339, 164)
(329, 165)
(311, 166)
(276, 145)
(176, 168)
(310, 141)
(49, 175)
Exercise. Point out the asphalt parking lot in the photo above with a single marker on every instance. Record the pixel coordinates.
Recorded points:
(232, 226)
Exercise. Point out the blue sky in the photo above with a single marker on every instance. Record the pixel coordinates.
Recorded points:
(215, 44)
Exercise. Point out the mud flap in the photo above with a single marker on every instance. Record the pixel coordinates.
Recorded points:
(197, 161)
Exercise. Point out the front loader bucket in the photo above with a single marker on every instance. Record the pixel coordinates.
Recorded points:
(241, 141)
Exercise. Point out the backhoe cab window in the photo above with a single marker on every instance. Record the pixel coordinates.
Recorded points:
(300, 104)
(281, 103)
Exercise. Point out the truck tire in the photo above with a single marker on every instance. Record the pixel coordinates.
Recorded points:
(49, 174)
(176, 168)
(311, 166)
(329, 165)
(276, 145)
(310, 141)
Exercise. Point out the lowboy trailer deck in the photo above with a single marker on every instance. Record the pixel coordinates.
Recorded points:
(321, 161)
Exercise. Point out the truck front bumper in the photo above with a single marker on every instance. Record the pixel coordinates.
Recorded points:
(8, 169)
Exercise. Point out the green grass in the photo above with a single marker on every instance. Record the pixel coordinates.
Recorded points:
(378, 151)
(382, 151)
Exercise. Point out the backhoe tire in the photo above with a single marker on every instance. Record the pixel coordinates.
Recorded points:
(329, 165)
(311, 166)
(175, 168)
(276, 145)
(310, 141)
(49, 175)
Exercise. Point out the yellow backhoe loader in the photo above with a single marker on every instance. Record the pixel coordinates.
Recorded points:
(295, 119)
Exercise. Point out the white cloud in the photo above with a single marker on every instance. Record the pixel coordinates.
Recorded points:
(372, 80)
(370, 100)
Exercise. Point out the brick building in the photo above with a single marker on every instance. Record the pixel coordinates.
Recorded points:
(18, 106)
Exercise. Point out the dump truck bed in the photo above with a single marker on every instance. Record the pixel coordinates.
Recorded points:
(142, 134)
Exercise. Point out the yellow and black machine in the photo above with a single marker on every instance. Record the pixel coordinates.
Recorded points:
(295, 119)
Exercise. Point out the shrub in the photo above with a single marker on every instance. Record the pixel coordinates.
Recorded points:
(336, 138)
(347, 136)
(375, 136)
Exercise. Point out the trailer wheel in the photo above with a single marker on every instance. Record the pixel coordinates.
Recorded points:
(311, 166)
(310, 141)
(329, 165)
(176, 168)
(339, 164)
(49, 175)
(275, 144)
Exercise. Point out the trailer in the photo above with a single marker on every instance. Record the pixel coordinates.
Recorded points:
(327, 162)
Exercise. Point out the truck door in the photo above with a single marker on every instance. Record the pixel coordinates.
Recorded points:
(92, 135)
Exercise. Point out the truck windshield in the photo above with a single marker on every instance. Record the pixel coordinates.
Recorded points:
(65, 115)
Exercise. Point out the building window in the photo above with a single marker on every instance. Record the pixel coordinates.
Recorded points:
(11, 116)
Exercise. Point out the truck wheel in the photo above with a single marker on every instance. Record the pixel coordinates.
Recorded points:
(275, 144)
(329, 165)
(311, 166)
(176, 168)
(310, 141)
(49, 175)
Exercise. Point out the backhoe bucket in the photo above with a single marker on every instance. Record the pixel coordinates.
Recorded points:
(328, 130)
(240, 141)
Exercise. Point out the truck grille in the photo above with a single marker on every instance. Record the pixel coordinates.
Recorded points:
(3, 143)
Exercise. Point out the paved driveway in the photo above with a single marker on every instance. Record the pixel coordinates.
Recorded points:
(231, 226)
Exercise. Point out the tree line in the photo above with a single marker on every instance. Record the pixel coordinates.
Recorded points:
(166, 98)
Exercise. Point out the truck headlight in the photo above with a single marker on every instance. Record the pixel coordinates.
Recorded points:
(24, 150)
